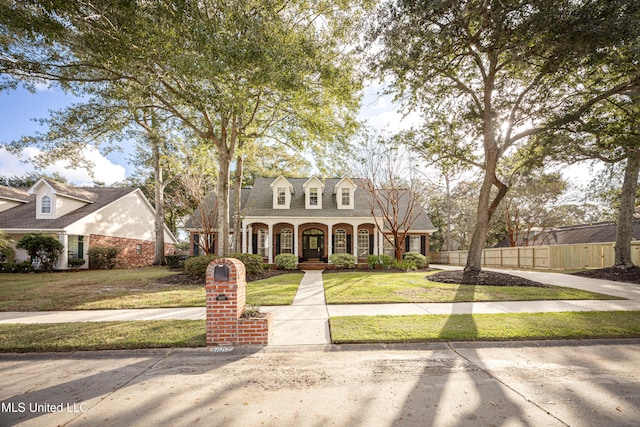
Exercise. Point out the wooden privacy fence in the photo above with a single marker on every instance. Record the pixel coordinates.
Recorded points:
(553, 257)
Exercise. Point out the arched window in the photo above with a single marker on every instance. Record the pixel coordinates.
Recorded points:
(363, 243)
(45, 207)
(286, 241)
(341, 241)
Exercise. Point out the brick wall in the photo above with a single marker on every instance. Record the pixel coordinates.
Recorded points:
(133, 252)
(225, 305)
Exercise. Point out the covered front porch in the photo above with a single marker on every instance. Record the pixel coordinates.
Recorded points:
(314, 242)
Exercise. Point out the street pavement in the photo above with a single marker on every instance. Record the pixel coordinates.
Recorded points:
(300, 379)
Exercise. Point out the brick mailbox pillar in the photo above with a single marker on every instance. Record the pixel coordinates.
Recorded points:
(226, 295)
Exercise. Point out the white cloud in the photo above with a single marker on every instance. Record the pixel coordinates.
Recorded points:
(104, 170)
(43, 86)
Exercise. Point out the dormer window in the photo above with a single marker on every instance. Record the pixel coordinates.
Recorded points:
(344, 192)
(282, 196)
(282, 191)
(313, 191)
(45, 206)
(346, 199)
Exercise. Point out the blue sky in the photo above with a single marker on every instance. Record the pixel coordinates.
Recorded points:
(21, 108)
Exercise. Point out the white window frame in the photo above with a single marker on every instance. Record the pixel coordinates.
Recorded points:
(282, 196)
(286, 241)
(46, 205)
(414, 244)
(346, 197)
(341, 241)
(363, 243)
(313, 196)
(263, 242)
(389, 249)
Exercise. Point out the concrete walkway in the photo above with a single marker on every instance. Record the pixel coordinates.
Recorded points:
(306, 322)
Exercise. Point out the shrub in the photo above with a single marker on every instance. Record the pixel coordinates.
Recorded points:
(16, 267)
(343, 260)
(253, 264)
(197, 266)
(385, 261)
(286, 261)
(176, 261)
(404, 265)
(42, 247)
(418, 260)
(103, 257)
(76, 262)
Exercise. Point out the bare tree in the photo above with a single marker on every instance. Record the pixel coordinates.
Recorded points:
(392, 190)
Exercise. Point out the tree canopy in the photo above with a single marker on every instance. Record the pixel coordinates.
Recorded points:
(487, 75)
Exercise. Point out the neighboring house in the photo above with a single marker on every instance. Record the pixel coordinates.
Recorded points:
(601, 232)
(311, 218)
(82, 218)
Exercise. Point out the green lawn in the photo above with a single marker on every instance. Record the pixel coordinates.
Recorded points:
(277, 290)
(488, 327)
(116, 289)
(372, 288)
(102, 335)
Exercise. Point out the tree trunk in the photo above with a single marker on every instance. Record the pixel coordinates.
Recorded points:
(624, 230)
(159, 258)
(237, 208)
(226, 148)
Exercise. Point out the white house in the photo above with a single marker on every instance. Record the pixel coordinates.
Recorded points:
(82, 218)
(313, 219)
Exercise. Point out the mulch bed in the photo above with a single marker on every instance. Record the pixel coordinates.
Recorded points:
(630, 275)
(483, 278)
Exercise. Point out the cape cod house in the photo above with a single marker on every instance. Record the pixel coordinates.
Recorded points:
(83, 217)
(311, 218)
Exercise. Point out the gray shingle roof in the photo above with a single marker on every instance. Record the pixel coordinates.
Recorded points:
(24, 216)
(87, 195)
(585, 233)
(16, 194)
(258, 202)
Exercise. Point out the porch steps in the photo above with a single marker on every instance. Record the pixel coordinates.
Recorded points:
(313, 265)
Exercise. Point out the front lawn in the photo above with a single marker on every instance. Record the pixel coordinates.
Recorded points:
(117, 289)
(372, 288)
(43, 337)
(487, 327)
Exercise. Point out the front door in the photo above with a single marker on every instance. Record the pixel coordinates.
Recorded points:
(312, 244)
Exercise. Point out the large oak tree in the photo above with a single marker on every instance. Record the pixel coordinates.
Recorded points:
(495, 73)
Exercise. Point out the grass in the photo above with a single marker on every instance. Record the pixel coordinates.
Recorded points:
(102, 335)
(118, 289)
(487, 327)
(373, 288)
(277, 290)
(95, 289)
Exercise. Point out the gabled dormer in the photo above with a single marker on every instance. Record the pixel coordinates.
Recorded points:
(313, 190)
(345, 193)
(282, 191)
(54, 199)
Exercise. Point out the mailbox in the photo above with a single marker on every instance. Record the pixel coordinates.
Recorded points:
(221, 273)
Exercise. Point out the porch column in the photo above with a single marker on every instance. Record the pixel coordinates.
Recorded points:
(270, 245)
(63, 259)
(354, 240)
(250, 239)
(295, 240)
(329, 239)
(244, 238)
